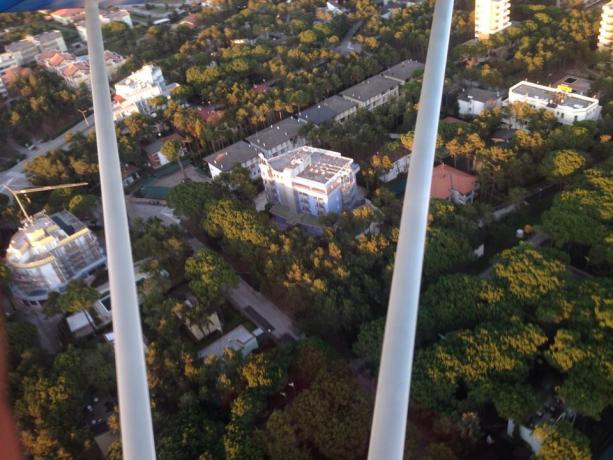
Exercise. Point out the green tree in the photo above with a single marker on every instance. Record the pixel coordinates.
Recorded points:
(529, 273)
(173, 150)
(78, 296)
(561, 164)
(562, 441)
(370, 341)
(210, 277)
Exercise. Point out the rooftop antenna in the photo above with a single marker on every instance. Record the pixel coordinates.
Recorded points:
(25, 191)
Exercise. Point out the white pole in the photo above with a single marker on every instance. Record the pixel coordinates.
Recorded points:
(392, 400)
(134, 408)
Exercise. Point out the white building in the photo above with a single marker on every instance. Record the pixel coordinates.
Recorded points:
(491, 16)
(310, 180)
(106, 17)
(6, 61)
(567, 107)
(25, 51)
(48, 252)
(372, 92)
(3, 90)
(132, 94)
(605, 38)
(473, 101)
(238, 339)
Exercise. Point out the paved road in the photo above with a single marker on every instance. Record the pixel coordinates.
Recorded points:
(535, 240)
(246, 300)
(345, 46)
(245, 296)
(47, 327)
(148, 211)
(15, 176)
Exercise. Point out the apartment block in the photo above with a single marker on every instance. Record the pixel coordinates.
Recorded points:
(310, 180)
(605, 38)
(568, 107)
(372, 92)
(75, 70)
(278, 138)
(333, 108)
(25, 51)
(132, 94)
(47, 252)
(491, 16)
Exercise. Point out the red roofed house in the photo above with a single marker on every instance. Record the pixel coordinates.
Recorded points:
(68, 16)
(451, 183)
(191, 21)
(209, 115)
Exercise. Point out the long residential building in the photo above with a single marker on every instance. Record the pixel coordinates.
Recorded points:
(491, 16)
(48, 252)
(25, 51)
(567, 107)
(285, 135)
(75, 70)
(605, 38)
(310, 180)
(372, 92)
(132, 94)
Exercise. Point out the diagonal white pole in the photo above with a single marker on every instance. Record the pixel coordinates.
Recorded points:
(134, 408)
(391, 404)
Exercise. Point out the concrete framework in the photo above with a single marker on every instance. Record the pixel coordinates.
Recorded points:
(391, 405)
(134, 406)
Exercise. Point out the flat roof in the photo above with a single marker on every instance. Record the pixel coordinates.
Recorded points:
(404, 70)
(232, 155)
(276, 134)
(546, 93)
(370, 88)
(317, 165)
(236, 339)
(326, 110)
(51, 35)
(478, 94)
(578, 84)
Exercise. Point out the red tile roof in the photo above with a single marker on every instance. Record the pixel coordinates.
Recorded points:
(446, 178)
(209, 115)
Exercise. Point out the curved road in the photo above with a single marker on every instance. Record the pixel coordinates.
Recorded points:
(15, 176)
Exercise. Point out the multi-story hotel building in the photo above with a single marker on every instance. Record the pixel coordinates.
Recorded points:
(310, 180)
(568, 108)
(605, 38)
(132, 94)
(48, 252)
(491, 16)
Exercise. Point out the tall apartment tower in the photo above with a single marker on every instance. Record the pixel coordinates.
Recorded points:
(491, 16)
(605, 38)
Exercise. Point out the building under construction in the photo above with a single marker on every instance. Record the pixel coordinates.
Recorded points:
(47, 252)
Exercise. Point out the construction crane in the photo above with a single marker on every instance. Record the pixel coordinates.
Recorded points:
(46, 188)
